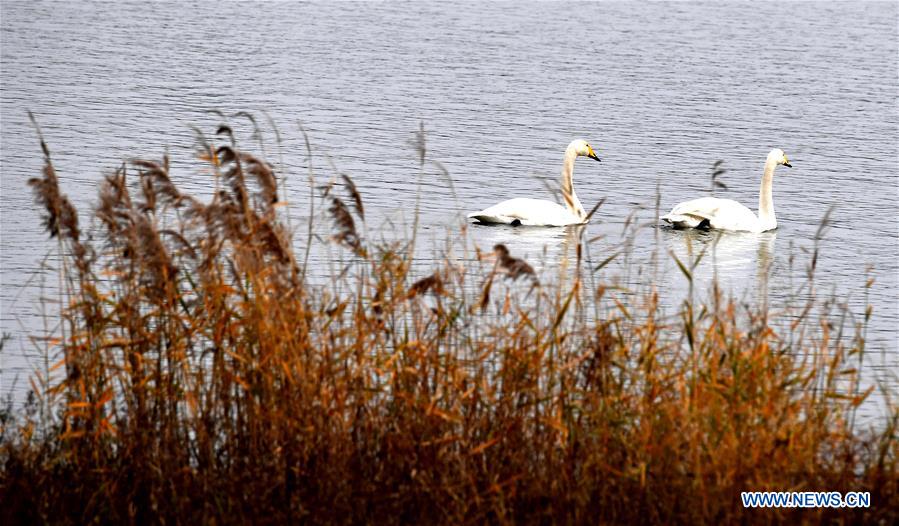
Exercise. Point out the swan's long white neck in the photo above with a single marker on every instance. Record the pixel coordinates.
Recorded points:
(571, 201)
(766, 198)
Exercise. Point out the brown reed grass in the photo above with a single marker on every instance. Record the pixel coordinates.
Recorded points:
(207, 381)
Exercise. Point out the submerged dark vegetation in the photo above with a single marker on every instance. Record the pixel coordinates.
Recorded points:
(202, 377)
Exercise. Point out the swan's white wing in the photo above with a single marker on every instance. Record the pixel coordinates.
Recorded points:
(533, 212)
(723, 214)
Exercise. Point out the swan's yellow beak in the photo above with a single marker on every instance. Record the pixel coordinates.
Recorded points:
(787, 162)
(591, 154)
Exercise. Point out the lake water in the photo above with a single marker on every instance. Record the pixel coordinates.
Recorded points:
(660, 90)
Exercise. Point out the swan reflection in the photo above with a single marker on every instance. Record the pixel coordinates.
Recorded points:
(540, 246)
(741, 262)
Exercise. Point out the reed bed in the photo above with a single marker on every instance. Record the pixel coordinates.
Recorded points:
(203, 378)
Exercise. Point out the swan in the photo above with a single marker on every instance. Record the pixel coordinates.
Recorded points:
(726, 214)
(538, 212)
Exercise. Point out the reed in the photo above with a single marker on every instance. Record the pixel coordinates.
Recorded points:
(207, 379)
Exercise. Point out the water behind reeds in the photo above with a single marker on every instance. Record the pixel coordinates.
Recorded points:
(662, 92)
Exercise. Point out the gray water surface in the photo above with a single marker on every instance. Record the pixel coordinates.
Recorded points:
(660, 90)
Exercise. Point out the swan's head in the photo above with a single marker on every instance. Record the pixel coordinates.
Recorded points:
(581, 148)
(779, 157)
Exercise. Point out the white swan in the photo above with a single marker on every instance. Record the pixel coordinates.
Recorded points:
(726, 214)
(537, 212)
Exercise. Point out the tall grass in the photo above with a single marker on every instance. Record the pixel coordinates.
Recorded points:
(205, 379)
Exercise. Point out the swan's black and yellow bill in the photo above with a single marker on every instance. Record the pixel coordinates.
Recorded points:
(787, 162)
(591, 154)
